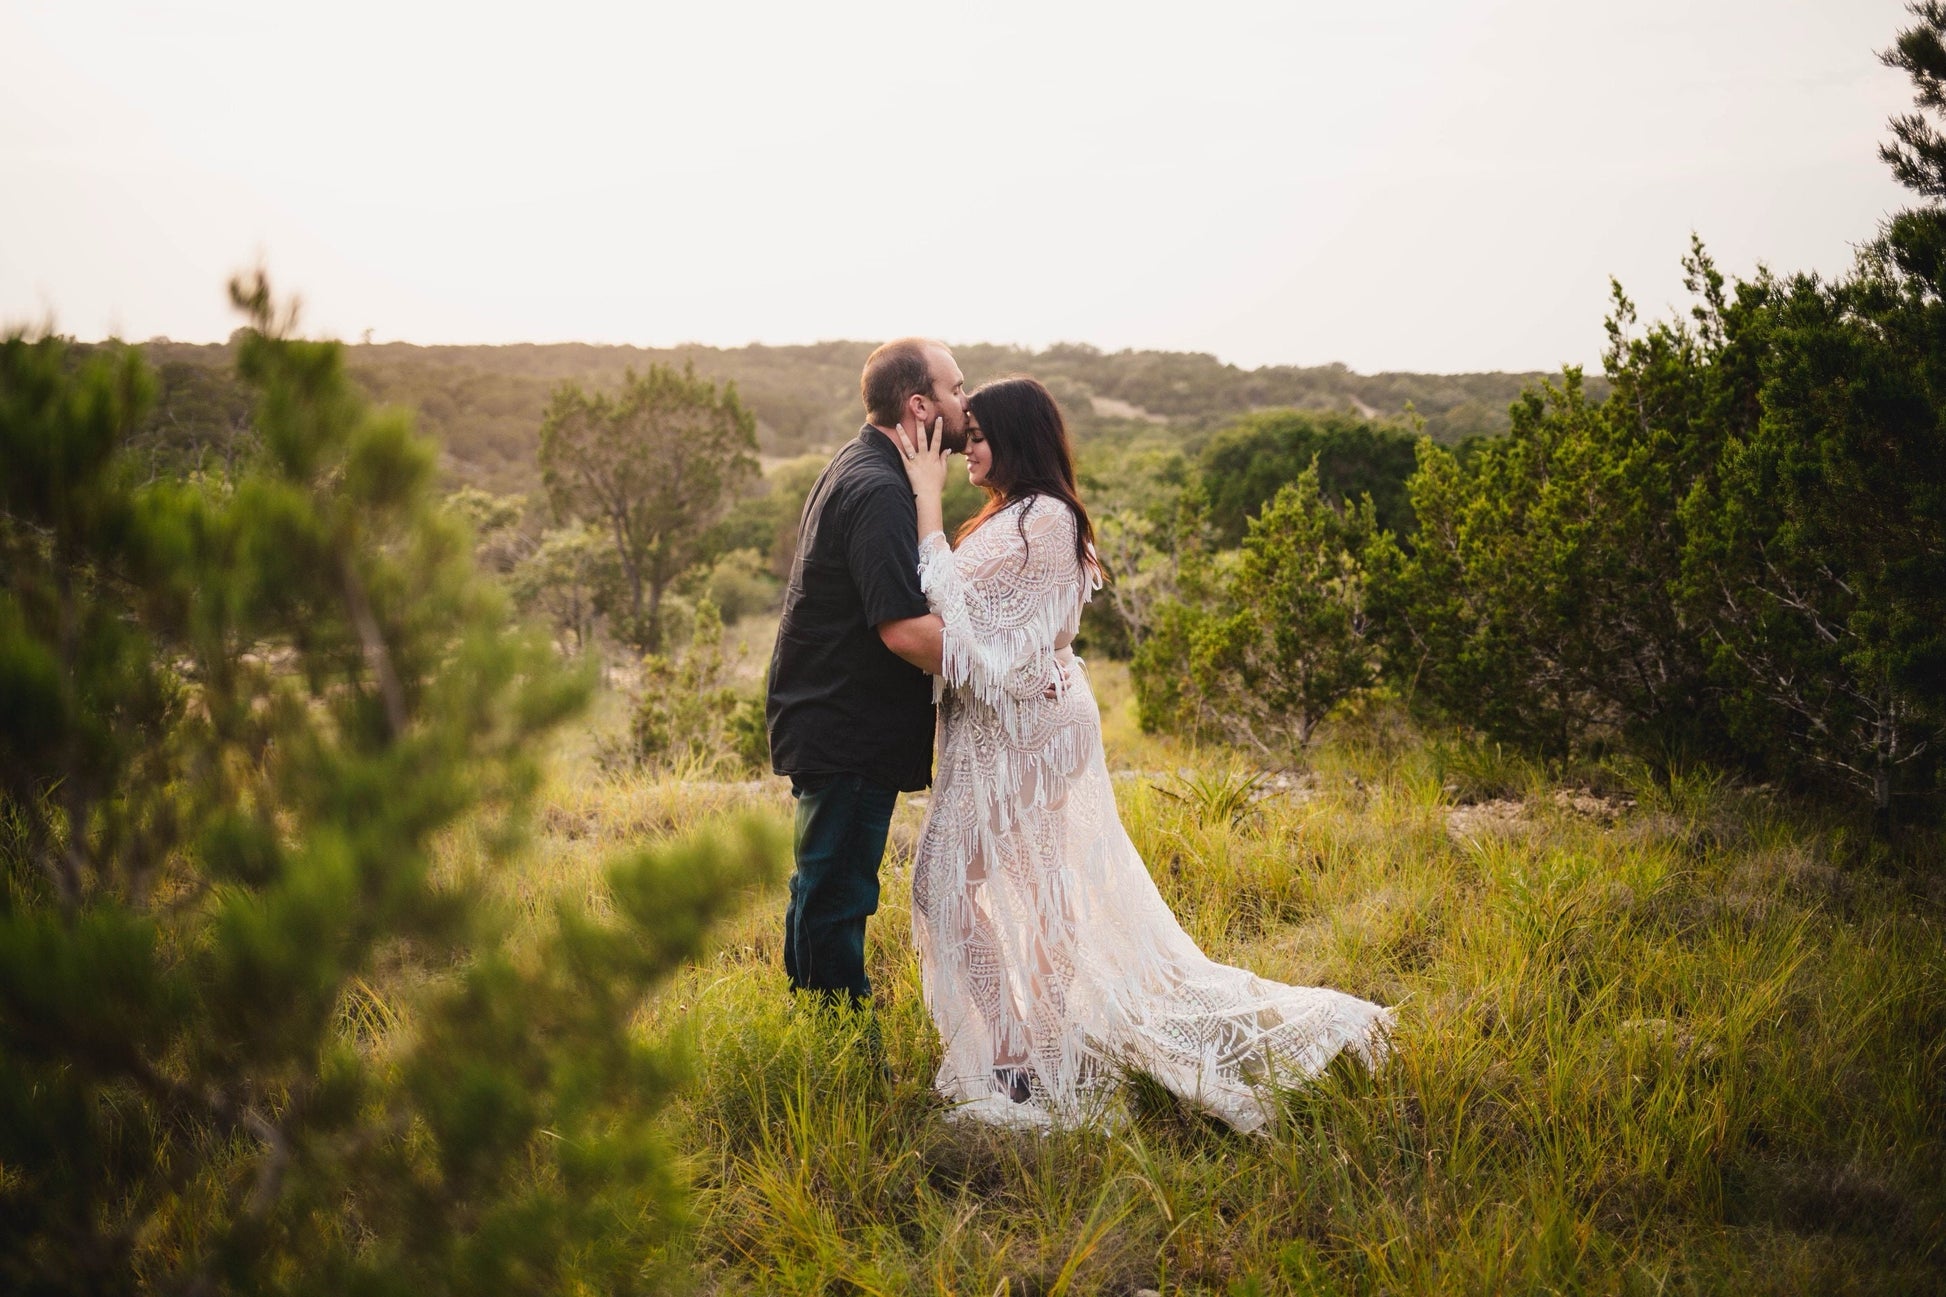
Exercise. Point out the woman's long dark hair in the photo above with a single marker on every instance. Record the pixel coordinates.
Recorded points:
(1031, 456)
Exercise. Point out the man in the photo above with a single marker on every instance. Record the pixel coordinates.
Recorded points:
(850, 707)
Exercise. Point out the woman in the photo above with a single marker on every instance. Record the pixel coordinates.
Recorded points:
(1051, 964)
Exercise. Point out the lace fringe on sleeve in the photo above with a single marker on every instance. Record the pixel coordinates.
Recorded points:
(1003, 615)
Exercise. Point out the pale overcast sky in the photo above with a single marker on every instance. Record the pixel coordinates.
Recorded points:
(1425, 184)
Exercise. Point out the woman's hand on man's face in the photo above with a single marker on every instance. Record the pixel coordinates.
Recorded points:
(925, 457)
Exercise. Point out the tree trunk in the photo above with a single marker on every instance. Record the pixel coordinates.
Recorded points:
(1882, 822)
(632, 572)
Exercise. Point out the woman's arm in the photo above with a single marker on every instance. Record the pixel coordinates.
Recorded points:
(983, 642)
(1003, 615)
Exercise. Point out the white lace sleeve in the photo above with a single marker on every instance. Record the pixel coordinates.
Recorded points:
(1004, 612)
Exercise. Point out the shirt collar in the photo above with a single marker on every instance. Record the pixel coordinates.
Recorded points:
(881, 445)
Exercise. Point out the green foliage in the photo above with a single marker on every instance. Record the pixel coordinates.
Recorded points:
(1148, 512)
(1739, 556)
(1285, 642)
(1155, 556)
(739, 583)
(1819, 558)
(1536, 603)
(1736, 557)
(1539, 601)
(87, 703)
(1296, 643)
(569, 580)
(1474, 770)
(1917, 153)
(689, 716)
(499, 541)
(1244, 465)
(1166, 698)
(250, 1039)
(766, 518)
(653, 467)
(1817, 554)
(748, 732)
(199, 422)
(1221, 796)
(483, 404)
(1167, 586)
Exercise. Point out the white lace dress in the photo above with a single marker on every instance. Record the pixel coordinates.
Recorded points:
(1051, 963)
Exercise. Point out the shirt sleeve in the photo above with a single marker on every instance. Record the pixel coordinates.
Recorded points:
(882, 552)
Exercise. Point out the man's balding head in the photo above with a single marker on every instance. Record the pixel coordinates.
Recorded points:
(900, 369)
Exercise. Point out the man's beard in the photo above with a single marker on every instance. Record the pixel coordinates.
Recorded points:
(954, 441)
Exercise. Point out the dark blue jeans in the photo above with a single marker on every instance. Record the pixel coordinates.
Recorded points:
(840, 840)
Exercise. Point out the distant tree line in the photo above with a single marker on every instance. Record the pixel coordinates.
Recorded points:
(484, 405)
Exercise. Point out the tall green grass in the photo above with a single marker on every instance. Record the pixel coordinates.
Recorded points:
(1700, 1048)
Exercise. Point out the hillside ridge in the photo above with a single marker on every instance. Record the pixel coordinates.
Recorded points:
(483, 402)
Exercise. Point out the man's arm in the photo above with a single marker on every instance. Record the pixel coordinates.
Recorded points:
(916, 639)
(919, 641)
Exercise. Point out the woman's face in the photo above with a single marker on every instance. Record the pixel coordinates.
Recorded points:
(979, 455)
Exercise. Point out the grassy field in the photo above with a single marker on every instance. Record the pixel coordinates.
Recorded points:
(1652, 1039)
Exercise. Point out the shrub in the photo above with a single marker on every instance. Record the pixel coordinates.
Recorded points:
(1286, 643)
(739, 583)
(250, 1039)
(689, 715)
(1245, 465)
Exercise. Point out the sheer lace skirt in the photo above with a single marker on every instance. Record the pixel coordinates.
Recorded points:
(1052, 965)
